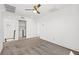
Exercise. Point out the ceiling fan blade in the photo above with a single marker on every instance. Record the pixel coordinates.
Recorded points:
(28, 9)
(38, 5)
(38, 12)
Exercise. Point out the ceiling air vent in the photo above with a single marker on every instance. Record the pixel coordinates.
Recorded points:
(10, 8)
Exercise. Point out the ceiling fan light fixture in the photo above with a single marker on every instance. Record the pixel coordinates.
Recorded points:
(34, 11)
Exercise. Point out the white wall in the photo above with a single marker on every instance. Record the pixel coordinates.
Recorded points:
(31, 28)
(11, 24)
(1, 28)
(61, 27)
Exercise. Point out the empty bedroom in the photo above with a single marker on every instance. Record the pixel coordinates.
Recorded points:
(39, 29)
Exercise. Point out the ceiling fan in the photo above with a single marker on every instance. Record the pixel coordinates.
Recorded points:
(35, 8)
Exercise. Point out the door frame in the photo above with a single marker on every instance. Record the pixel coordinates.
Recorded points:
(25, 28)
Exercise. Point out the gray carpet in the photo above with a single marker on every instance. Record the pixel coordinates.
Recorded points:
(33, 46)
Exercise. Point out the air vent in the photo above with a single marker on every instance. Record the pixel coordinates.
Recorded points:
(10, 8)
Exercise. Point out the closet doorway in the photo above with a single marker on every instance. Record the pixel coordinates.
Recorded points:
(22, 29)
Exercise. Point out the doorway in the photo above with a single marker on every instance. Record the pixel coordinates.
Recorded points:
(22, 29)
